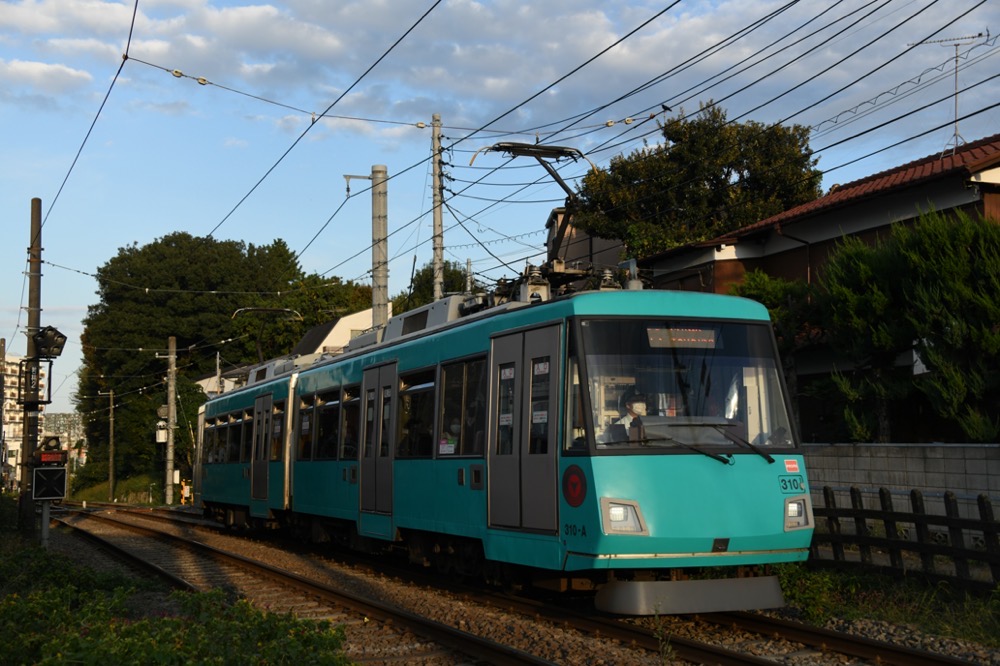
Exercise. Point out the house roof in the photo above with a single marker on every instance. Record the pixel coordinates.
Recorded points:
(968, 158)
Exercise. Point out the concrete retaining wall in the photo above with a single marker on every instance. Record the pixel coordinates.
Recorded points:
(967, 470)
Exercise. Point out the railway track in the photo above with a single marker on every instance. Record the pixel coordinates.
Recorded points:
(739, 638)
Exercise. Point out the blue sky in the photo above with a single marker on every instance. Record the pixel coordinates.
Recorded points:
(168, 154)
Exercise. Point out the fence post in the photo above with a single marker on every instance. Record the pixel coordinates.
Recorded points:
(955, 536)
(833, 524)
(923, 532)
(861, 525)
(889, 521)
(990, 535)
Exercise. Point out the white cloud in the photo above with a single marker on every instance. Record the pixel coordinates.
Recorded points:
(42, 76)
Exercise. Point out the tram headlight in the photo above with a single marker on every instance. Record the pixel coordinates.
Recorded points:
(622, 517)
(798, 513)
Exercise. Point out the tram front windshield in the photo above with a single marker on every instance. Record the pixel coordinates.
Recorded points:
(681, 384)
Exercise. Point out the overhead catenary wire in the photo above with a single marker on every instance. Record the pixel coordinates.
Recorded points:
(318, 233)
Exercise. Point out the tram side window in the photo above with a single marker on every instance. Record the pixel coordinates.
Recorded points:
(351, 400)
(306, 421)
(233, 438)
(463, 408)
(328, 426)
(246, 437)
(415, 425)
(208, 443)
(277, 430)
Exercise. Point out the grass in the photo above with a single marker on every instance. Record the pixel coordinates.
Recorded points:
(142, 489)
(819, 594)
(53, 612)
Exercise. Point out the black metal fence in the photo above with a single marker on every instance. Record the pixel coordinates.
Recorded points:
(965, 550)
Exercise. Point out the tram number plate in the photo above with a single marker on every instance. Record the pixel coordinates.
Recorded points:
(791, 484)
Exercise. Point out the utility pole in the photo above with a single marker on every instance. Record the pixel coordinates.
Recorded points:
(380, 242)
(29, 441)
(171, 417)
(380, 246)
(438, 224)
(111, 443)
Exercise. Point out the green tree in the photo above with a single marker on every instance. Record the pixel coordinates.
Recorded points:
(189, 288)
(863, 304)
(709, 177)
(421, 290)
(953, 299)
(932, 287)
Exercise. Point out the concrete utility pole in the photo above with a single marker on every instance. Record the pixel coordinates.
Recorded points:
(111, 443)
(29, 441)
(380, 242)
(438, 224)
(380, 246)
(171, 417)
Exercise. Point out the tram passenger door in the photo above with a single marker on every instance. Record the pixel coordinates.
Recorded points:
(259, 459)
(378, 395)
(524, 375)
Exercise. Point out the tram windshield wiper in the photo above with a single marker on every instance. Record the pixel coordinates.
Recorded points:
(650, 441)
(739, 439)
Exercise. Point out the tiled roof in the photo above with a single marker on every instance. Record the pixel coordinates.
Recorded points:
(969, 157)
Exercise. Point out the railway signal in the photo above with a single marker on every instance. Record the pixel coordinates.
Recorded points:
(49, 471)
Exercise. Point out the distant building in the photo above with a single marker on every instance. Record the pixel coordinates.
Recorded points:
(68, 427)
(13, 418)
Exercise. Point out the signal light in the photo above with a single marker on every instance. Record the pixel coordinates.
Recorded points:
(49, 342)
(49, 452)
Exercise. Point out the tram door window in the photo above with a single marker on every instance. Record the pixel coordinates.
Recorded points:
(506, 405)
(307, 420)
(370, 407)
(538, 441)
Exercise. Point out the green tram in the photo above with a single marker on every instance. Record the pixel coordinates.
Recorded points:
(635, 443)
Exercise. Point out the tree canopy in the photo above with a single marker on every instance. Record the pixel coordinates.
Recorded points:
(916, 315)
(421, 291)
(709, 177)
(189, 288)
